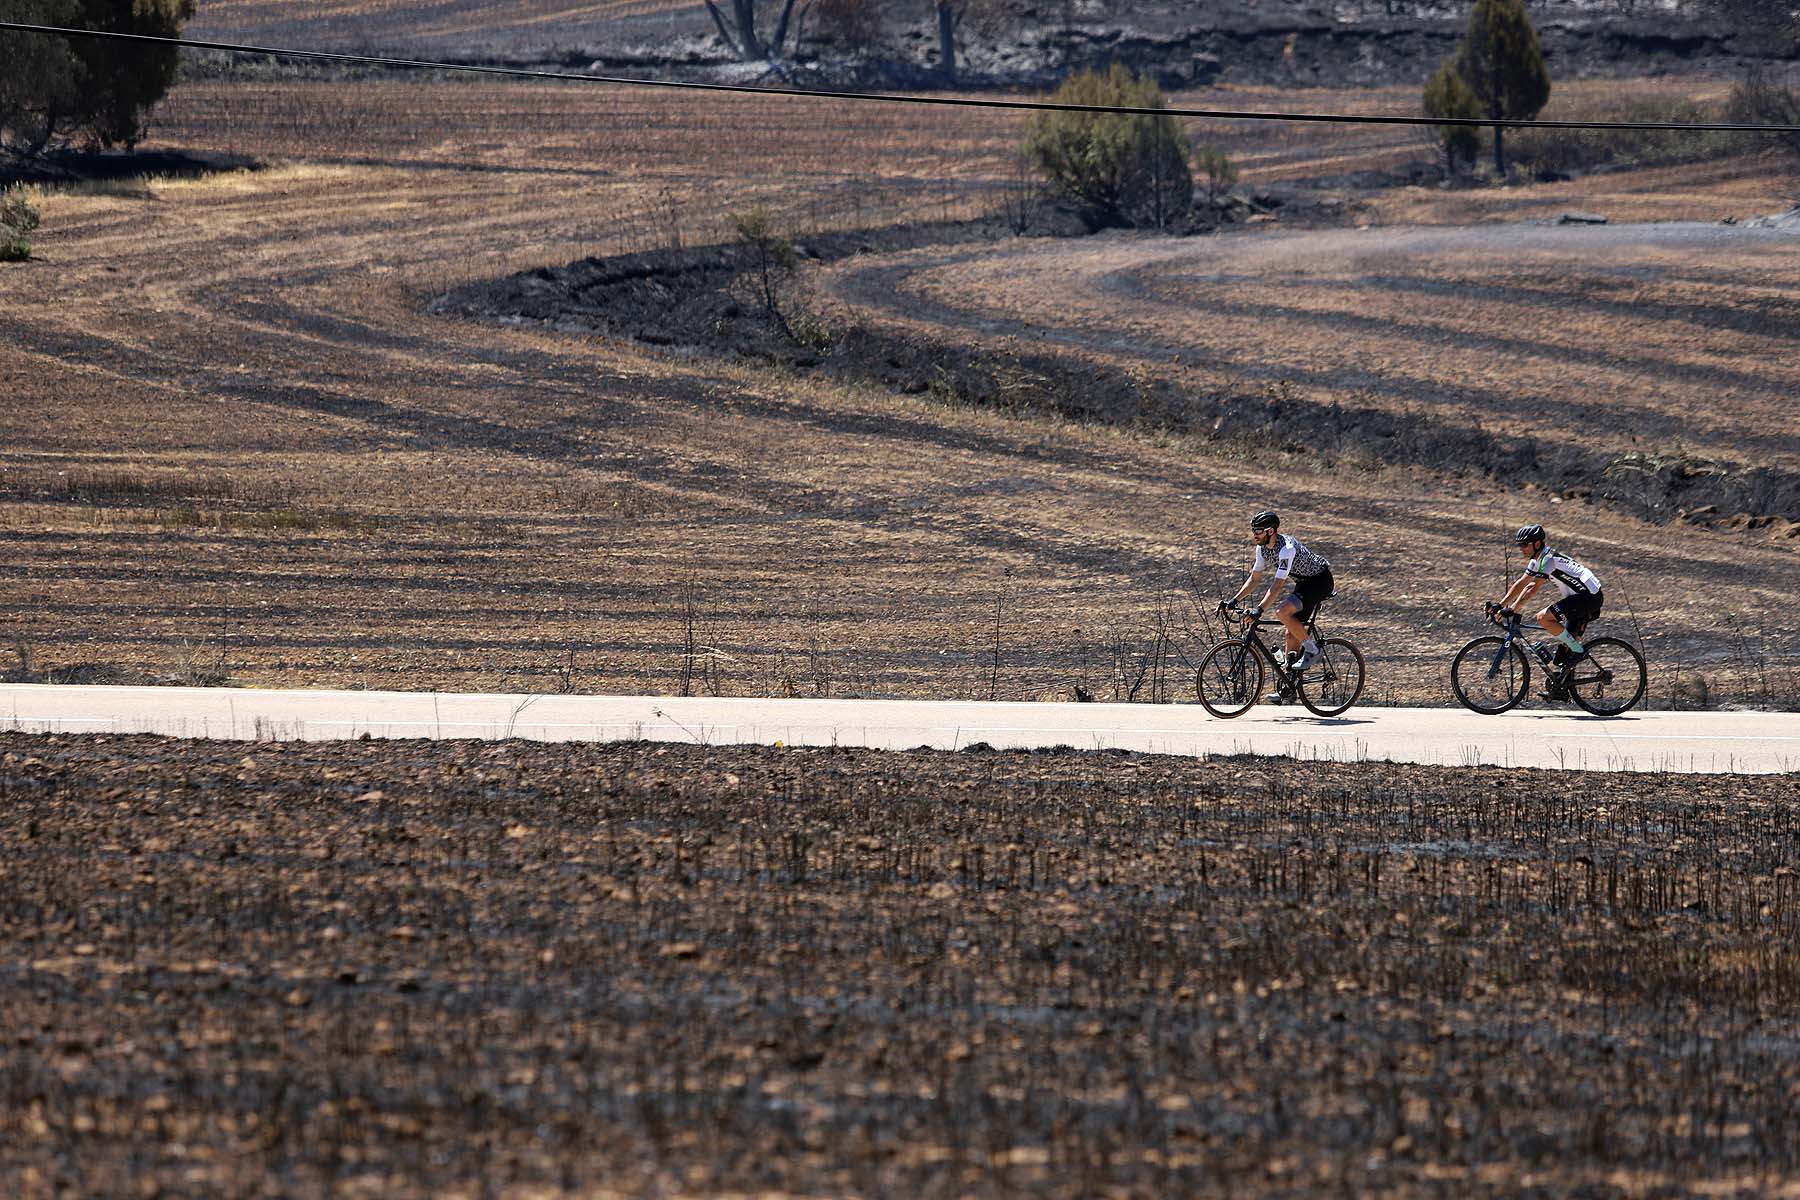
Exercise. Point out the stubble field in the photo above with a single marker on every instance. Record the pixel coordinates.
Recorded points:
(239, 448)
(468, 969)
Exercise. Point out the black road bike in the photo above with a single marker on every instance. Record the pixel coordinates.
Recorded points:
(1231, 675)
(1492, 674)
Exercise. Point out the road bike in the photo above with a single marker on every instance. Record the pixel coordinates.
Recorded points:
(1492, 674)
(1231, 675)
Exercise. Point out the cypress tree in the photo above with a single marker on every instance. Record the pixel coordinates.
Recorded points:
(1504, 66)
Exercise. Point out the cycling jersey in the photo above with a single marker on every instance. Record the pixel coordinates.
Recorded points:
(1289, 558)
(1569, 576)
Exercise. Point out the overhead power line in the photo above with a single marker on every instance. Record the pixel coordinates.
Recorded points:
(1217, 114)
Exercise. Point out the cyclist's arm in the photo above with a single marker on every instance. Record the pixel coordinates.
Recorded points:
(1249, 586)
(1524, 589)
(1274, 592)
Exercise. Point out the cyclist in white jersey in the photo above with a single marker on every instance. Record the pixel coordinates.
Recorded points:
(1288, 559)
(1578, 603)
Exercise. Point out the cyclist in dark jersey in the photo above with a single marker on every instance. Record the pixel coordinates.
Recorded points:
(1288, 559)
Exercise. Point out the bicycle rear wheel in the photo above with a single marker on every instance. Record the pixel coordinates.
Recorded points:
(1489, 676)
(1609, 679)
(1230, 678)
(1333, 683)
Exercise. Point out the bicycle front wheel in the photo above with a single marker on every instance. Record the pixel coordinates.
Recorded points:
(1490, 676)
(1333, 683)
(1230, 678)
(1609, 679)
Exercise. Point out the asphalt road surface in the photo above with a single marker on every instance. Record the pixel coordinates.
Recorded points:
(1559, 737)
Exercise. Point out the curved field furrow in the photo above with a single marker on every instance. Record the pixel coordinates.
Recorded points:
(1411, 318)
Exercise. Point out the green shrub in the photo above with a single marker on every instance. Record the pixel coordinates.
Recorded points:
(1448, 94)
(1128, 168)
(18, 218)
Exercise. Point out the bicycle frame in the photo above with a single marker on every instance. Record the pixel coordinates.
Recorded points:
(1515, 633)
(1284, 675)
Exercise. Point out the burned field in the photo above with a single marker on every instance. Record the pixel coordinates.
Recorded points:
(513, 969)
(243, 448)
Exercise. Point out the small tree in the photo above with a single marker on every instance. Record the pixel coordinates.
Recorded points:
(91, 88)
(1448, 94)
(769, 265)
(1218, 174)
(1129, 167)
(18, 218)
(1503, 64)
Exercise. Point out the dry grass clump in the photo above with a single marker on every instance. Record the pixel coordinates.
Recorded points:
(437, 968)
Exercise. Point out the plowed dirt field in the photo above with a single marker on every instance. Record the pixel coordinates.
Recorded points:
(236, 446)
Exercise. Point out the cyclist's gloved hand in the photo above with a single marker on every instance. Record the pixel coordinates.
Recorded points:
(1254, 611)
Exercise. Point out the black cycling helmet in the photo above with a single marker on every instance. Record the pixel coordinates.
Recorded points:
(1527, 534)
(1266, 519)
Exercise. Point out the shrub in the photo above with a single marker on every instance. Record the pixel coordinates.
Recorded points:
(1448, 94)
(1119, 167)
(18, 218)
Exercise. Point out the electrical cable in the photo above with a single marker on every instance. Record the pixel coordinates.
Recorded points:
(894, 98)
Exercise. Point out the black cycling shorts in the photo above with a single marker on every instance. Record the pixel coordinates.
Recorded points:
(1310, 590)
(1577, 610)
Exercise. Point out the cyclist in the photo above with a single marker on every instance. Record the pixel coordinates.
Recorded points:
(1578, 604)
(1311, 576)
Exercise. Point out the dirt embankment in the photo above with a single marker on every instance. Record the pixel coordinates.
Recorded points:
(701, 301)
(1277, 45)
(435, 969)
(1014, 44)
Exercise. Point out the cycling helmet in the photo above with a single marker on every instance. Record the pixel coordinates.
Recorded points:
(1528, 534)
(1266, 519)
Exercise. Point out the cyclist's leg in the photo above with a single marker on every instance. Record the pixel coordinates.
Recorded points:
(1309, 593)
(1287, 611)
(1567, 620)
(1551, 622)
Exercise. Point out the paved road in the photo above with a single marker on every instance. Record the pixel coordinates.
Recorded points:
(1749, 742)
